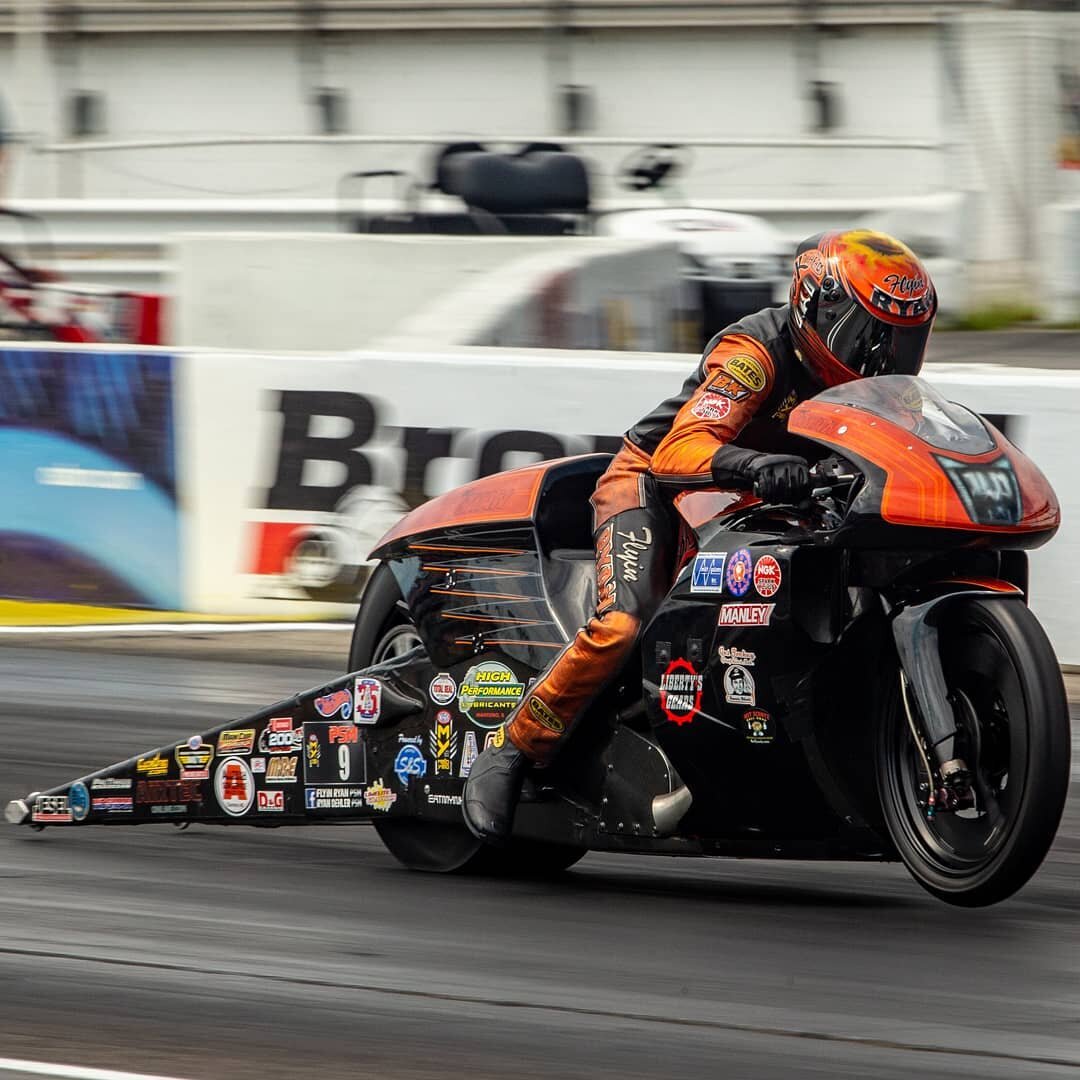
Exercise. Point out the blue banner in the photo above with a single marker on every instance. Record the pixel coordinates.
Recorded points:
(88, 512)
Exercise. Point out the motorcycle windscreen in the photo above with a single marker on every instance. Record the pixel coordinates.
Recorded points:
(944, 466)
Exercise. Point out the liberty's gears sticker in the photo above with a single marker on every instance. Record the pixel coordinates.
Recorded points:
(680, 692)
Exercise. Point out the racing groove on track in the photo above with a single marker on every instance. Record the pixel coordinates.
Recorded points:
(242, 953)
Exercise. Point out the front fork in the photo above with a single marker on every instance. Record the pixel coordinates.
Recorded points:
(927, 703)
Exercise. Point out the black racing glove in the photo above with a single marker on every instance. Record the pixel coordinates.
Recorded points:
(773, 477)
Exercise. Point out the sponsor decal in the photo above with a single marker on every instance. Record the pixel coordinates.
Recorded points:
(712, 406)
(443, 743)
(340, 701)
(631, 547)
(541, 712)
(334, 798)
(280, 737)
(281, 770)
(172, 809)
(990, 493)
(414, 740)
(51, 809)
(767, 576)
(233, 786)
(333, 754)
(495, 739)
(680, 692)
(79, 801)
(434, 798)
(605, 570)
(783, 410)
(159, 792)
(270, 801)
(469, 754)
(258, 764)
(708, 573)
(896, 305)
(368, 697)
(194, 759)
(443, 689)
(489, 693)
(748, 371)
(153, 766)
(379, 797)
(239, 741)
(724, 385)
(738, 573)
(737, 656)
(409, 762)
(114, 804)
(312, 753)
(745, 614)
(739, 686)
(759, 727)
(111, 783)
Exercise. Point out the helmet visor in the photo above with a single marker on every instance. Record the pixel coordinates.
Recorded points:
(868, 346)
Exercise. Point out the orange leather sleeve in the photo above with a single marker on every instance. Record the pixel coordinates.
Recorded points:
(739, 376)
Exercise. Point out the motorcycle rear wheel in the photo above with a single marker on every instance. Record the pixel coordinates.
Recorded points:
(1014, 734)
(384, 630)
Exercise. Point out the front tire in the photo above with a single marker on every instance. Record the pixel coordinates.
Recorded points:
(383, 631)
(1014, 733)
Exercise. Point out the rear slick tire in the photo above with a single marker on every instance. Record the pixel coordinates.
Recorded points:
(1014, 732)
(384, 630)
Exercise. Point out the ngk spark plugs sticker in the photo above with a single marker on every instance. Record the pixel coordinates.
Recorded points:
(488, 693)
(680, 692)
(333, 754)
(767, 576)
(234, 787)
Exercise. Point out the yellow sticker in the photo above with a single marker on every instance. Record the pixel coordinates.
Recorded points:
(748, 371)
(543, 715)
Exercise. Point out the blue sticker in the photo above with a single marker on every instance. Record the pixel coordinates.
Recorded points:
(409, 763)
(311, 798)
(708, 573)
(78, 801)
(739, 575)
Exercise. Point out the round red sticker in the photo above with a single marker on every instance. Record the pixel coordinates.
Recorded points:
(767, 576)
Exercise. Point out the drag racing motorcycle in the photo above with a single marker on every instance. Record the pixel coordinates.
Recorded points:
(855, 677)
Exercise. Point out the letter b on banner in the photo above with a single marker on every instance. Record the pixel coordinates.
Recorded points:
(299, 409)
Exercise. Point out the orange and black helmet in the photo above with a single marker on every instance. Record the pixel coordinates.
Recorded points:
(861, 304)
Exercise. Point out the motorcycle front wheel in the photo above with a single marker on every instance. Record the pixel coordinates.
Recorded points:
(1013, 732)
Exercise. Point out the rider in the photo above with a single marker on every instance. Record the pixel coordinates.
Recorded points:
(861, 304)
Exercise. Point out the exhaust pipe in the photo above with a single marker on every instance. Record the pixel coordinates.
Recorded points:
(668, 810)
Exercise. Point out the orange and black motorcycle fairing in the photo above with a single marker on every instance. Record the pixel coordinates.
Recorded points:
(797, 695)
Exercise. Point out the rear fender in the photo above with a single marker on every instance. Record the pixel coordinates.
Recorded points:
(915, 632)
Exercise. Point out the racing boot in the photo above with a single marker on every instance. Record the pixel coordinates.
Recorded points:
(492, 792)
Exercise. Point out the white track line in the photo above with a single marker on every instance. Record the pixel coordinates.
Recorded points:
(174, 628)
(75, 1072)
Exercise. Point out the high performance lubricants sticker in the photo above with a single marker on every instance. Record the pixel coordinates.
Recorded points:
(488, 693)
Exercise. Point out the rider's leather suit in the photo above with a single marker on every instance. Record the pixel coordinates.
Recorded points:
(746, 383)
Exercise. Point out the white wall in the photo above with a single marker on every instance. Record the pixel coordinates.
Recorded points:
(275, 292)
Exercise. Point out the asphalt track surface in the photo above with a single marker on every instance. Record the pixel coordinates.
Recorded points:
(239, 953)
(1052, 349)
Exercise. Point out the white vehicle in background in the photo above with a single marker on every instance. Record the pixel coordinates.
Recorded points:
(742, 262)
